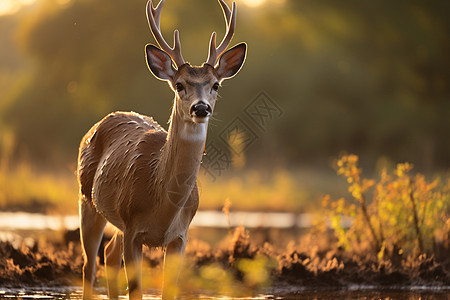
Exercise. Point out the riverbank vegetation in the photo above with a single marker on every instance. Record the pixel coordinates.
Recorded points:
(391, 231)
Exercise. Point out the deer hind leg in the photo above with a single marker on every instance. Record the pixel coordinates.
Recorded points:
(113, 263)
(92, 225)
(173, 259)
(132, 254)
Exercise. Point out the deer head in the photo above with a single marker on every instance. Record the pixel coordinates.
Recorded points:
(195, 87)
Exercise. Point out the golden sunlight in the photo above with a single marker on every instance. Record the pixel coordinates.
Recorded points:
(258, 3)
(253, 3)
(9, 7)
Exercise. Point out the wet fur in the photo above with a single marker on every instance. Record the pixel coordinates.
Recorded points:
(117, 173)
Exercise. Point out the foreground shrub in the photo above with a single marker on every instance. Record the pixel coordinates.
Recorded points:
(406, 214)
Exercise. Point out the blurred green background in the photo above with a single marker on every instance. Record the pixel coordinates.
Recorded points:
(359, 76)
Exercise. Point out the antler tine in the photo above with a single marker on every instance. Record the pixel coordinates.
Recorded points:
(157, 13)
(230, 31)
(230, 18)
(154, 18)
(226, 11)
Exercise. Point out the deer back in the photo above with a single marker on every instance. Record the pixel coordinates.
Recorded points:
(117, 164)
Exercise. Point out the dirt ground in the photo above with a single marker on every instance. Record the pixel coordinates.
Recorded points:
(293, 266)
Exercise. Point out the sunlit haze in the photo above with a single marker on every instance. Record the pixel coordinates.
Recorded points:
(253, 3)
(258, 3)
(9, 7)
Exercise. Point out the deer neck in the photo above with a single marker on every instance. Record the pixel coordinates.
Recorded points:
(180, 160)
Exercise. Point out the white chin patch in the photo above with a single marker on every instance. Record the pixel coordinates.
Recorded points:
(195, 132)
(200, 120)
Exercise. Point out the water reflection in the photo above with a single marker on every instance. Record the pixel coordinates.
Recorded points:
(217, 219)
(368, 295)
(412, 293)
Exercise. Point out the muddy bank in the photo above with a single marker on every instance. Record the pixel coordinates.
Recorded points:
(59, 264)
(41, 265)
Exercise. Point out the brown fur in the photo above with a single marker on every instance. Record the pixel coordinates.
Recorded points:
(118, 162)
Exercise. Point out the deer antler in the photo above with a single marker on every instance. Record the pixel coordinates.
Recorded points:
(230, 18)
(154, 18)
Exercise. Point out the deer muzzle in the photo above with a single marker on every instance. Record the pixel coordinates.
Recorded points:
(200, 110)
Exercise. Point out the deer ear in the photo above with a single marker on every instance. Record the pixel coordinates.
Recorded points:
(231, 61)
(159, 63)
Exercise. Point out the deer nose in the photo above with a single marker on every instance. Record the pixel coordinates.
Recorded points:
(201, 109)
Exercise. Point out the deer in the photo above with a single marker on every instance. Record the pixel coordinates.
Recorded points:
(142, 179)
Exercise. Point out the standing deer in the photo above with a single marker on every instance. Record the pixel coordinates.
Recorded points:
(142, 179)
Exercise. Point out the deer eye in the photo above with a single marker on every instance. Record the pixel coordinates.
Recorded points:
(215, 87)
(179, 87)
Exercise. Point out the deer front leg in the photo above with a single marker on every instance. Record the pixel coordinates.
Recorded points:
(173, 259)
(132, 252)
(91, 232)
(113, 262)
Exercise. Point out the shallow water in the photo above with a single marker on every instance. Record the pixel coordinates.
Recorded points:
(366, 293)
(209, 226)
(421, 293)
(217, 219)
